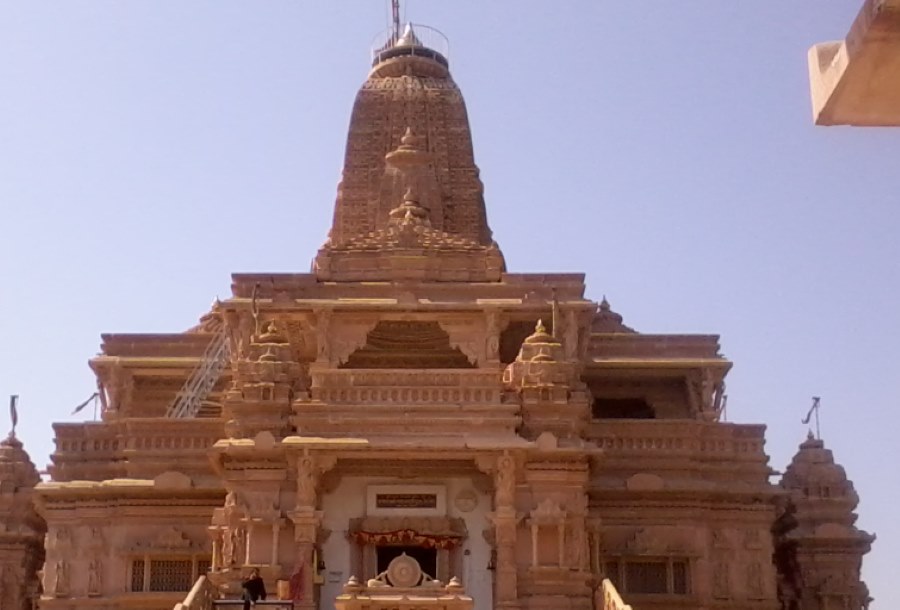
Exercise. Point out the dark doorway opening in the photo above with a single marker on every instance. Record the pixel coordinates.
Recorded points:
(427, 558)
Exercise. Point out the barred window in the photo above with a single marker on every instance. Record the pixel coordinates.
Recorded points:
(137, 575)
(171, 575)
(649, 576)
(166, 574)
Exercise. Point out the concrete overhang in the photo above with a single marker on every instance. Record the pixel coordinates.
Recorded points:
(857, 81)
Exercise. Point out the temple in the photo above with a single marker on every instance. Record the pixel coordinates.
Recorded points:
(411, 425)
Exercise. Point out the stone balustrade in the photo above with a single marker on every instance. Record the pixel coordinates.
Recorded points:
(676, 437)
(99, 450)
(407, 387)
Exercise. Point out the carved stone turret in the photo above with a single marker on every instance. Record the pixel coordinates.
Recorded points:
(818, 546)
(264, 385)
(608, 321)
(548, 385)
(21, 529)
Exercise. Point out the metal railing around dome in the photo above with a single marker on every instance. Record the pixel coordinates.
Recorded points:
(412, 39)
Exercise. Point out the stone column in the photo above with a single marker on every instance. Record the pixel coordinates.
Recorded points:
(505, 521)
(248, 540)
(276, 539)
(306, 521)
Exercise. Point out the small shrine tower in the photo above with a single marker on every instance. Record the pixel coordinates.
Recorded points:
(21, 529)
(819, 547)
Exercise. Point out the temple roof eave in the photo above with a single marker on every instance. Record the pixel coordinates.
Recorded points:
(654, 363)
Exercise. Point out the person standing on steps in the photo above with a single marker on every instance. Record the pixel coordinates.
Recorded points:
(254, 589)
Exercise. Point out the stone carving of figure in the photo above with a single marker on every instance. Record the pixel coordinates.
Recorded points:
(720, 539)
(232, 546)
(721, 584)
(505, 481)
(62, 578)
(493, 337)
(61, 537)
(306, 482)
(95, 576)
(754, 580)
(322, 323)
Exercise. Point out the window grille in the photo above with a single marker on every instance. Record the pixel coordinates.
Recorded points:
(646, 577)
(203, 566)
(679, 578)
(137, 575)
(649, 576)
(171, 575)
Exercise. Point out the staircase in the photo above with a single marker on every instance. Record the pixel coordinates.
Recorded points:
(191, 398)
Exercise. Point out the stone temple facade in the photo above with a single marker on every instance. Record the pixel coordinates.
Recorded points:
(410, 425)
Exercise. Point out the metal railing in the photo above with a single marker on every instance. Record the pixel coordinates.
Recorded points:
(412, 39)
(204, 378)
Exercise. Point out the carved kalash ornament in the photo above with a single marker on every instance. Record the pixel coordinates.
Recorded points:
(410, 425)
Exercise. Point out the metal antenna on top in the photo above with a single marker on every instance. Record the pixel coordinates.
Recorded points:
(395, 17)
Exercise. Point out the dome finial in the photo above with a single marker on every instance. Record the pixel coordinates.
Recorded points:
(408, 38)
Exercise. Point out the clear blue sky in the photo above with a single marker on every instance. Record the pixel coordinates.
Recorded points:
(149, 148)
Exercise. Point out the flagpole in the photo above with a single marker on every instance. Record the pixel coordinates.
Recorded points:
(13, 414)
(813, 410)
(818, 430)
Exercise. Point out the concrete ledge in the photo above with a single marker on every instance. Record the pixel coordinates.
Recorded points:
(857, 81)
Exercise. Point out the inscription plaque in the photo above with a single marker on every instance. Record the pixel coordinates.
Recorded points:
(407, 500)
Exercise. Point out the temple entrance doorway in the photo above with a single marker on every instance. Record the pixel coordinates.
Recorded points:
(427, 557)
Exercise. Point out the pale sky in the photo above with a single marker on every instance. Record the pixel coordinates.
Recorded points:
(149, 148)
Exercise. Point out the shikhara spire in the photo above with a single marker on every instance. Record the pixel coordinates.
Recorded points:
(409, 141)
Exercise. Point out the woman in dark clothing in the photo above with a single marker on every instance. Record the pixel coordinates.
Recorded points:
(254, 589)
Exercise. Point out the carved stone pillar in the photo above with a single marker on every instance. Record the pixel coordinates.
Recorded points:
(505, 521)
(248, 540)
(595, 533)
(276, 539)
(323, 322)
(307, 521)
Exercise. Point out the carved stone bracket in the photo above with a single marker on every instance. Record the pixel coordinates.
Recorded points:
(346, 337)
(468, 337)
(309, 473)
